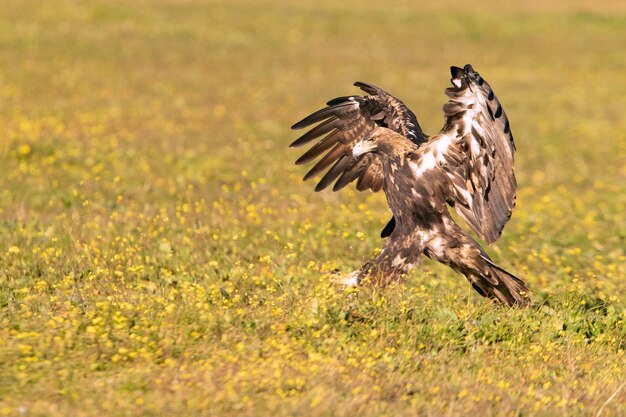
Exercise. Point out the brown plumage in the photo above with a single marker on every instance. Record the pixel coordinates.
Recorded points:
(376, 140)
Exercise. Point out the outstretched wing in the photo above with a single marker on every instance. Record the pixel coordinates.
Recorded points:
(342, 124)
(475, 150)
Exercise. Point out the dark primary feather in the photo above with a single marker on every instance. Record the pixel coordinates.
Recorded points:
(343, 123)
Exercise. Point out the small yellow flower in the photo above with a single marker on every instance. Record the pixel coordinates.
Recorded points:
(24, 150)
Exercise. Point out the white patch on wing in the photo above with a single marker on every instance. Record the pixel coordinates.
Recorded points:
(435, 154)
(470, 114)
(475, 146)
(425, 163)
(468, 98)
(442, 147)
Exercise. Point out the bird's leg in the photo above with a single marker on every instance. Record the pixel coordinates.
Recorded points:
(395, 260)
(345, 280)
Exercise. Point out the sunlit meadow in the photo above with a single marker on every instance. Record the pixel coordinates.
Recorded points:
(159, 254)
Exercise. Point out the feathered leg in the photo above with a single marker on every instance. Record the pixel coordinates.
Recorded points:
(450, 245)
(398, 255)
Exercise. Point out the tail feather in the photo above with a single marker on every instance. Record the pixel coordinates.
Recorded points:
(509, 289)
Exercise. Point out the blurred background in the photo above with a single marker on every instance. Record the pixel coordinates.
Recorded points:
(144, 147)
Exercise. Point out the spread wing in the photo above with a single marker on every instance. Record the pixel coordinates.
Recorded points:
(341, 125)
(475, 150)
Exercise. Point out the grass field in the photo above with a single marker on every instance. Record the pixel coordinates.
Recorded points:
(159, 254)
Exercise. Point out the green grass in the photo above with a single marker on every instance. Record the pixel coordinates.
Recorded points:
(159, 254)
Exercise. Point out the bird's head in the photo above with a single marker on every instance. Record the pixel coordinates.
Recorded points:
(385, 144)
(364, 146)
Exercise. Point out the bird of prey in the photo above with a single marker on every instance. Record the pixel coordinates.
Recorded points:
(376, 140)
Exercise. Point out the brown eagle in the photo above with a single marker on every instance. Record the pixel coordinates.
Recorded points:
(376, 140)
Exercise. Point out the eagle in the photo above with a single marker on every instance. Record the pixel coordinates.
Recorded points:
(376, 140)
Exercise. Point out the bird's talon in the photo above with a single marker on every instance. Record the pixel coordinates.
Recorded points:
(345, 280)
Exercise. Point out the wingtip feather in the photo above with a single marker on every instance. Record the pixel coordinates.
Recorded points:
(368, 88)
(456, 72)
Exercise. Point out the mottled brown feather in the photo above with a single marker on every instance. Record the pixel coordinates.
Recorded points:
(348, 120)
(491, 177)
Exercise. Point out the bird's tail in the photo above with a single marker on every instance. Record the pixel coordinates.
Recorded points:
(495, 282)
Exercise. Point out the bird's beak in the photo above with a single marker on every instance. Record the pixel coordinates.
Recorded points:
(362, 147)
